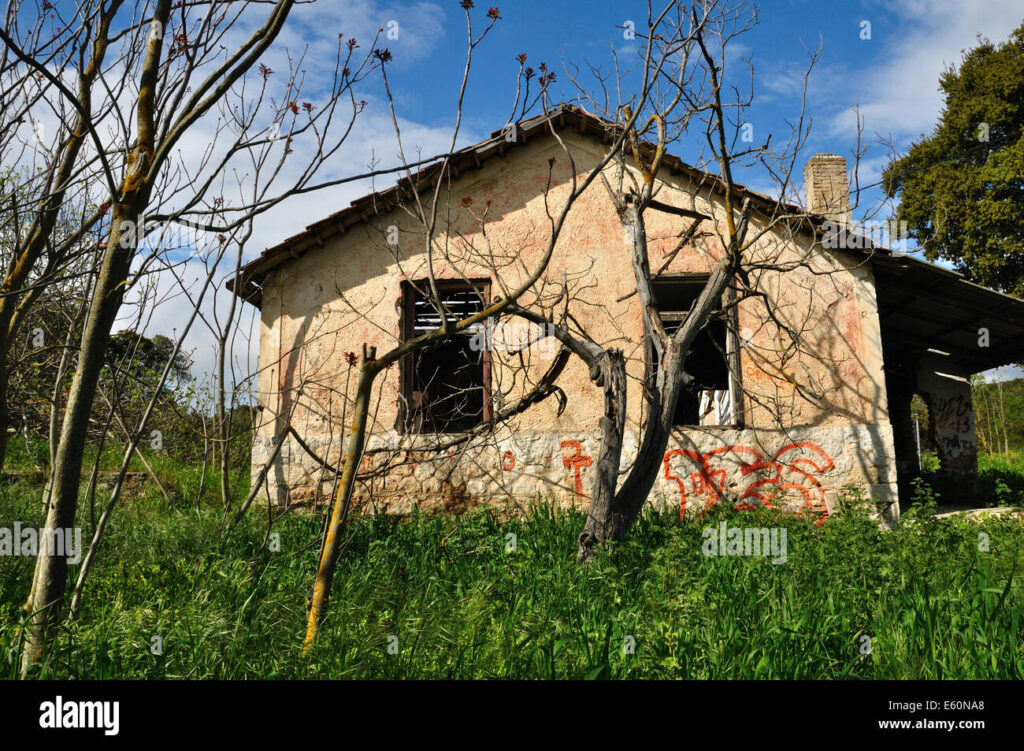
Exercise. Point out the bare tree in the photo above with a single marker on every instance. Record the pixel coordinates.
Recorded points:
(425, 199)
(746, 238)
(678, 88)
(129, 82)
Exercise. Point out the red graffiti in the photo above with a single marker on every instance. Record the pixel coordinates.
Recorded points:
(793, 467)
(577, 461)
(508, 461)
(707, 481)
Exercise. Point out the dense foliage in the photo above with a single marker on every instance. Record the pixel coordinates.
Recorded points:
(464, 602)
(999, 415)
(961, 188)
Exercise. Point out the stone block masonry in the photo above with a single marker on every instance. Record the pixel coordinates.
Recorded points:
(799, 470)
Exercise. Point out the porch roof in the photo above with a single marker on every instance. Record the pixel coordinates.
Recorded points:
(923, 307)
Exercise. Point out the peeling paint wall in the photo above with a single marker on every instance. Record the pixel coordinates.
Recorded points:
(815, 399)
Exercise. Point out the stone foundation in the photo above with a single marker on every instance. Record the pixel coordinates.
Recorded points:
(800, 469)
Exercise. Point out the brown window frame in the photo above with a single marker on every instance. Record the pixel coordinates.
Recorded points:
(410, 289)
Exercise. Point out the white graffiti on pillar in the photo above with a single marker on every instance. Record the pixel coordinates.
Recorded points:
(954, 430)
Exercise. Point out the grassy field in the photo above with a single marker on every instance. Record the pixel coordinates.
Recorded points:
(462, 604)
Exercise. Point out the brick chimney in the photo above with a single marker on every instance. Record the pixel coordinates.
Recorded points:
(827, 190)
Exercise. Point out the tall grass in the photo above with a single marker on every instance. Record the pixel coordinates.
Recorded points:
(453, 597)
(1001, 478)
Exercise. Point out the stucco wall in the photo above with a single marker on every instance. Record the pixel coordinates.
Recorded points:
(811, 377)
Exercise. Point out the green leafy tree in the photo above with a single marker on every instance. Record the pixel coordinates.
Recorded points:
(143, 357)
(961, 189)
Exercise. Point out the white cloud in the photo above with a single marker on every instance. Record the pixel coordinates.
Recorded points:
(372, 141)
(412, 30)
(899, 95)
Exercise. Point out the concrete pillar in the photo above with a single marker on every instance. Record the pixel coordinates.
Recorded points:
(900, 386)
(950, 418)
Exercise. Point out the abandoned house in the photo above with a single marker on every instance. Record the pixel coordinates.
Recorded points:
(796, 393)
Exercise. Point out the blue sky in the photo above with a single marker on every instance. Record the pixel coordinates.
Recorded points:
(893, 75)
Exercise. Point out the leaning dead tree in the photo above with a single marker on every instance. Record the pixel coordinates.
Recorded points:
(121, 86)
(741, 239)
(428, 212)
(676, 89)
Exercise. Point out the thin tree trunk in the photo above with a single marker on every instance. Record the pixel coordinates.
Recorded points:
(983, 421)
(1002, 421)
(206, 458)
(49, 582)
(4, 421)
(342, 501)
(606, 473)
(224, 422)
(223, 437)
(53, 432)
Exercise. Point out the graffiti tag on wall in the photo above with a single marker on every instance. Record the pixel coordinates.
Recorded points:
(742, 473)
(794, 467)
(954, 428)
(576, 461)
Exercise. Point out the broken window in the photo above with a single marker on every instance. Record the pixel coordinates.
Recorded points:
(708, 398)
(444, 387)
